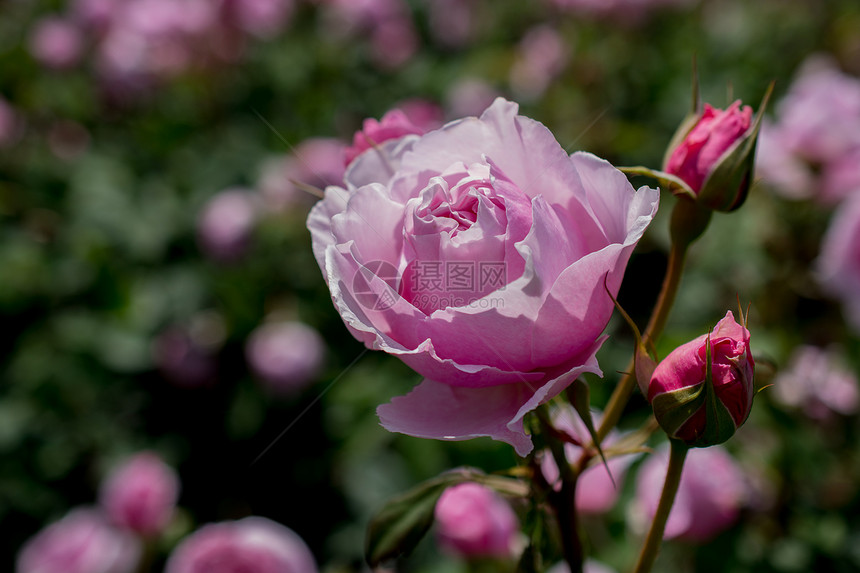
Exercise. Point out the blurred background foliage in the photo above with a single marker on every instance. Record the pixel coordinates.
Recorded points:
(103, 179)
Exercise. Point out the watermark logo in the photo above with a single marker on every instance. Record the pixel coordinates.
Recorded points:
(436, 284)
(362, 285)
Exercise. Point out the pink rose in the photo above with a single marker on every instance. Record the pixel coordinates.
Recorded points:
(250, 545)
(713, 135)
(81, 542)
(393, 125)
(141, 494)
(473, 521)
(700, 403)
(711, 492)
(838, 264)
(478, 255)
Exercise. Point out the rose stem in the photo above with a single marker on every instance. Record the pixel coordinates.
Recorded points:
(651, 547)
(564, 500)
(687, 224)
(624, 389)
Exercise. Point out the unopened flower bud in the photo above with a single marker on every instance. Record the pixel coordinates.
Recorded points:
(474, 521)
(141, 494)
(703, 390)
(393, 125)
(715, 156)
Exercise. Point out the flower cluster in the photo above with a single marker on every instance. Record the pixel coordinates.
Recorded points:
(137, 41)
(137, 503)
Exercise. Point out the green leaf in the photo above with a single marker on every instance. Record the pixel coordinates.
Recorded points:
(580, 396)
(401, 524)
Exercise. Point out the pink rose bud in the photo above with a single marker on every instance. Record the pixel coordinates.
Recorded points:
(286, 356)
(141, 494)
(250, 545)
(703, 390)
(708, 146)
(710, 495)
(393, 125)
(81, 542)
(474, 521)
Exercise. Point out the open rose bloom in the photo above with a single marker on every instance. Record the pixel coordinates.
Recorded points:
(480, 254)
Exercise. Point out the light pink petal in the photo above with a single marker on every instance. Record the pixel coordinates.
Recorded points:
(439, 411)
(379, 164)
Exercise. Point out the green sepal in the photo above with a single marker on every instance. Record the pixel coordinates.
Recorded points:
(644, 357)
(631, 443)
(665, 181)
(580, 396)
(673, 409)
(398, 527)
(727, 185)
(719, 424)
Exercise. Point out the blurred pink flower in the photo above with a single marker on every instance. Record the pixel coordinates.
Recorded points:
(818, 381)
(249, 545)
(474, 521)
(387, 23)
(140, 494)
(56, 42)
(261, 18)
(226, 223)
(466, 196)
(710, 496)
(452, 22)
(424, 114)
(316, 162)
(838, 264)
(81, 542)
(840, 178)
(820, 114)
(622, 11)
(470, 96)
(286, 356)
(816, 131)
(183, 360)
(541, 56)
(597, 489)
(779, 167)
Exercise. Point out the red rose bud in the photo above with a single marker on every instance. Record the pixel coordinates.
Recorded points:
(715, 156)
(703, 390)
